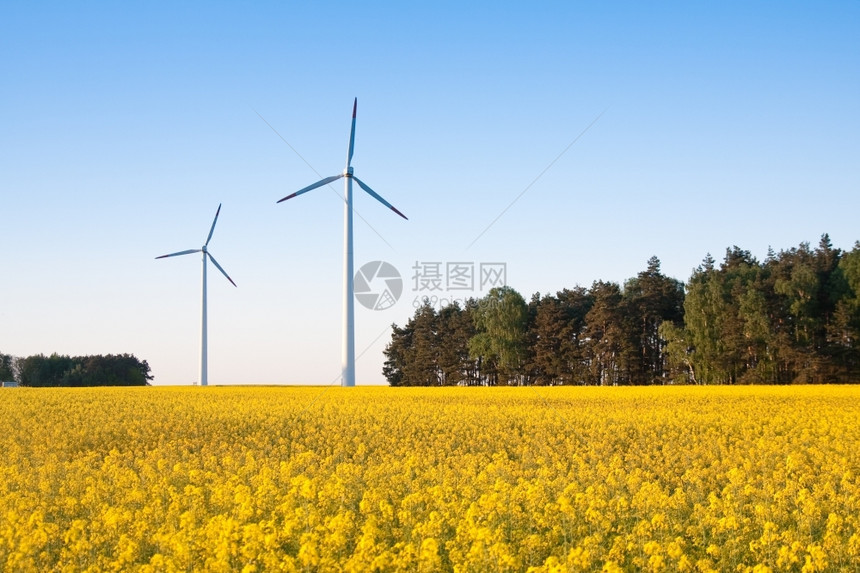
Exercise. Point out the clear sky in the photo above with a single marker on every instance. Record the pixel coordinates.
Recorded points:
(123, 125)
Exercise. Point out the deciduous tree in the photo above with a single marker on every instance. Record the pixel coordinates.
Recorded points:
(500, 323)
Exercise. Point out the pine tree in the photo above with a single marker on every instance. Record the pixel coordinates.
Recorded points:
(455, 328)
(652, 298)
(609, 350)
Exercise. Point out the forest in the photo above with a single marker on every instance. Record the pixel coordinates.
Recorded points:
(77, 371)
(793, 318)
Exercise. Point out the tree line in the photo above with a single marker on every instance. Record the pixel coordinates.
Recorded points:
(792, 318)
(58, 370)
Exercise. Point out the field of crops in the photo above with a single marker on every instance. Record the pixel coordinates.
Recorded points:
(478, 479)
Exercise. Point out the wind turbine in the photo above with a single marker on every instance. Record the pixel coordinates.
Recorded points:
(348, 353)
(203, 352)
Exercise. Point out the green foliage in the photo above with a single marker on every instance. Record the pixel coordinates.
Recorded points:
(555, 337)
(609, 332)
(605, 335)
(500, 320)
(432, 349)
(678, 352)
(791, 319)
(649, 300)
(79, 371)
(7, 370)
(794, 318)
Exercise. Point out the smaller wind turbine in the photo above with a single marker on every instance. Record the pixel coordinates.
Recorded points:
(206, 253)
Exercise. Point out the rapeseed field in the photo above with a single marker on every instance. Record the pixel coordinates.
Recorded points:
(431, 479)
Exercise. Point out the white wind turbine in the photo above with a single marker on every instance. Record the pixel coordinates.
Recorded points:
(203, 351)
(348, 354)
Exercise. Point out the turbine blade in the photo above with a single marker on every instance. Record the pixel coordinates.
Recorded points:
(212, 230)
(223, 272)
(188, 252)
(352, 135)
(325, 181)
(376, 196)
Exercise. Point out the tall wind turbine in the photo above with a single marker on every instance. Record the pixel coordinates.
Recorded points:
(203, 351)
(348, 354)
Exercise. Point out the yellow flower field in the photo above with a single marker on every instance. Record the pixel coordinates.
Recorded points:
(464, 479)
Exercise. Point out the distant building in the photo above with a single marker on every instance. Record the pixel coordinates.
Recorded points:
(9, 384)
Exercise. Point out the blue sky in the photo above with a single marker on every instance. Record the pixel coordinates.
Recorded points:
(124, 125)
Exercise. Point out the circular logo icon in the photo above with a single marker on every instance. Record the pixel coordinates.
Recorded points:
(378, 285)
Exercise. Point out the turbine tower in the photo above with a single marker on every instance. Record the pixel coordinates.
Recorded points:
(348, 353)
(204, 359)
